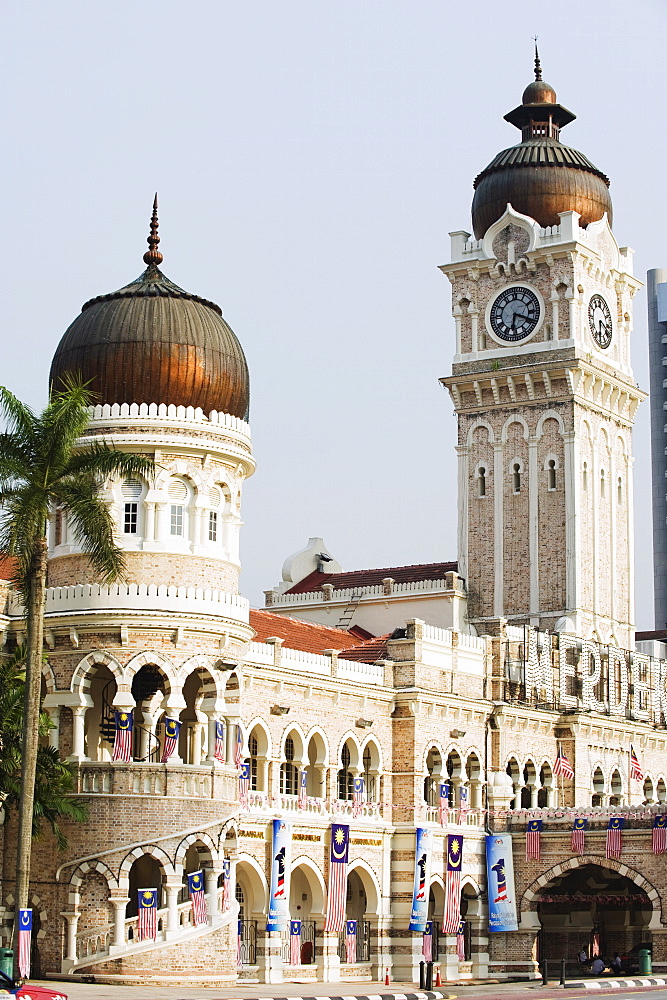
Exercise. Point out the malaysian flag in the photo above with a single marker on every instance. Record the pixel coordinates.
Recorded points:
(533, 831)
(226, 879)
(463, 804)
(461, 941)
(147, 922)
(302, 801)
(219, 749)
(562, 766)
(351, 942)
(25, 941)
(636, 772)
(238, 747)
(452, 915)
(337, 894)
(172, 728)
(244, 784)
(295, 942)
(659, 839)
(443, 803)
(578, 837)
(198, 897)
(427, 942)
(614, 842)
(357, 796)
(122, 744)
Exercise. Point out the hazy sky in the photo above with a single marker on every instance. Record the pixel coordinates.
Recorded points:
(311, 159)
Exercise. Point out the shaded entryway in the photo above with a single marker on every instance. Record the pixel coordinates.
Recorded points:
(593, 909)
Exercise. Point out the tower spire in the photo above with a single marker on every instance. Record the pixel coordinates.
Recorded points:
(538, 64)
(153, 255)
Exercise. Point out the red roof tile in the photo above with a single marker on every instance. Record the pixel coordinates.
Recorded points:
(373, 577)
(296, 634)
(7, 567)
(369, 651)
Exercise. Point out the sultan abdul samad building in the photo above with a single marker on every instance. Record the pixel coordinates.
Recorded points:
(470, 674)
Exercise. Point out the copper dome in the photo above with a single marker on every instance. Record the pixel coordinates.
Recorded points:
(153, 342)
(540, 177)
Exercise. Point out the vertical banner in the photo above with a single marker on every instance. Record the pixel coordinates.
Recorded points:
(295, 942)
(25, 941)
(337, 891)
(419, 912)
(281, 856)
(443, 803)
(500, 883)
(452, 914)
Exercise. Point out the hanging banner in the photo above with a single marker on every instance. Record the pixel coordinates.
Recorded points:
(500, 883)
(281, 857)
(419, 913)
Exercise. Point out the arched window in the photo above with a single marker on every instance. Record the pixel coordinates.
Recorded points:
(513, 770)
(620, 490)
(345, 776)
(516, 477)
(661, 790)
(289, 773)
(481, 481)
(551, 474)
(601, 482)
(598, 787)
(253, 749)
(585, 475)
(648, 791)
(616, 798)
(131, 491)
(178, 496)
(215, 501)
(434, 769)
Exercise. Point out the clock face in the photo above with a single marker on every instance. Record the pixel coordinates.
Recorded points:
(599, 320)
(515, 313)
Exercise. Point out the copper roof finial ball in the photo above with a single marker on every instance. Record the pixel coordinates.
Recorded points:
(540, 177)
(153, 255)
(153, 342)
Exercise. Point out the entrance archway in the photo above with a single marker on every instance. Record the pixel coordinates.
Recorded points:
(594, 905)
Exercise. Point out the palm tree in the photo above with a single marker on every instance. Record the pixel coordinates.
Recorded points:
(43, 466)
(54, 779)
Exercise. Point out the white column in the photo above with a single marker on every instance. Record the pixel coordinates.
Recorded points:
(211, 889)
(119, 910)
(162, 522)
(498, 588)
(54, 734)
(474, 327)
(72, 921)
(149, 527)
(533, 526)
(630, 569)
(554, 313)
(613, 505)
(196, 743)
(171, 892)
(78, 733)
(210, 759)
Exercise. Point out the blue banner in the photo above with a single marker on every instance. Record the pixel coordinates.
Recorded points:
(420, 891)
(281, 851)
(500, 883)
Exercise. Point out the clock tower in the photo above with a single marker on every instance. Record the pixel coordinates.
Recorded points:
(543, 388)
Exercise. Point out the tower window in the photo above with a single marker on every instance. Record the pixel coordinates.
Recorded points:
(551, 474)
(177, 492)
(585, 475)
(481, 481)
(601, 482)
(130, 515)
(516, 477)
(212, 526)
(620, 490)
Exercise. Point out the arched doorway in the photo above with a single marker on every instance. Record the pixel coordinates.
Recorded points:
(591, 908)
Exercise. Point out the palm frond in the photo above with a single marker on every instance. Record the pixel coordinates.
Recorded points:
(101, 461)
(20, 418)
(92, 525)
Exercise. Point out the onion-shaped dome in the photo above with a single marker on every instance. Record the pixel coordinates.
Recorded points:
(153, 342)
(540, 177)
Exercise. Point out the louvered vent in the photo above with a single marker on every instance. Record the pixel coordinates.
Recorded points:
(132, 489)
(177, 491)
(214, 497)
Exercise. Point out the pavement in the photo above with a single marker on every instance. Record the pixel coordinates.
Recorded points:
(354, 990)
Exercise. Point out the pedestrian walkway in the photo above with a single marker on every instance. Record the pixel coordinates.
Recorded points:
(279, 991)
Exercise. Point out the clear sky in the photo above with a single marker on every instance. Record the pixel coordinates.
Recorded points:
(311, 158)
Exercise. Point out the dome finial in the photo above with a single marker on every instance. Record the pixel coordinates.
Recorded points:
(153, 255)
(538, 65)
